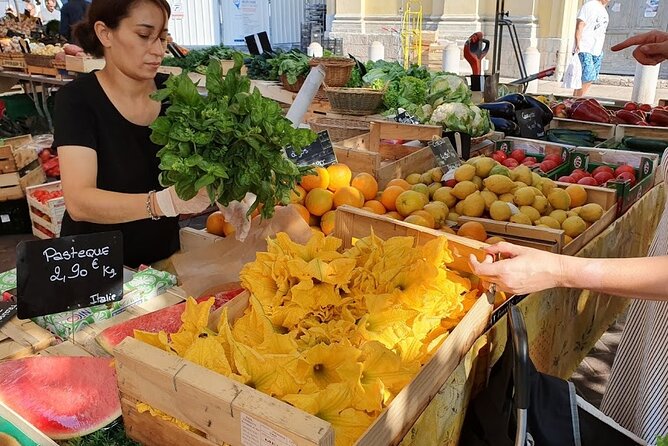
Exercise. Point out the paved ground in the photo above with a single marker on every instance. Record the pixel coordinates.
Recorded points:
(601, 91)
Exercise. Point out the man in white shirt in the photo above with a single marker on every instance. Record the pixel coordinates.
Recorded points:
(590, 31)
(50, 13)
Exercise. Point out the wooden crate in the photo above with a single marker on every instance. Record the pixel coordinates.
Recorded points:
(226, 411)
(28, 429)
(65, 348)
(602, 130)
(87, 336)
(79, 64)
(14, 184)
(44, 71)
(19, 338)
(650, 132)
(368, 153)
(15, 154)
(192, 239)
(47, 215)
(553, 239)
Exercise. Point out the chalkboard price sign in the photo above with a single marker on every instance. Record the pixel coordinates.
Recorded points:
(7, 311)
(529, 122)
(67, 273)
(445, 153)
(319, 153)
(405, 118)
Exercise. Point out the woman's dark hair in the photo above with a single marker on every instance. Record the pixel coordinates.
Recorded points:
(109, 12)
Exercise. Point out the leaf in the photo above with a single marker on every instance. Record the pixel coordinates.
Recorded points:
(186, 189)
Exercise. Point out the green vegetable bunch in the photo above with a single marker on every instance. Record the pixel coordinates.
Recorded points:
(260, 66)
(662, 441)
(196, 58)
(293, 64)
(230, 141)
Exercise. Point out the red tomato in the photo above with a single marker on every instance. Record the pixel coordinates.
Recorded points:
(624, 176)
(499, 156)
(608, 169)
(566, 179)
(624, 168)
(518, 154)
(553, 157)
(578, 174)
(451, 183)
(603, 177)
(588, 181)
(510, 162)
(547, 165)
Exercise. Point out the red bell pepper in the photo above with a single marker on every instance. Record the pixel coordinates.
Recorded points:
(659, 117)
(629, 117)
(590, 110)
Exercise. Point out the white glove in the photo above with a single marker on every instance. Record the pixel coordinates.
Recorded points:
(171, 205)
(235, 214)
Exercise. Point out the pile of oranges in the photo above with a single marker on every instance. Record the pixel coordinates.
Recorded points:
(319, 194)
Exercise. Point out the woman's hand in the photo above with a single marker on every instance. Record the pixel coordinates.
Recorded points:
(523, 270)
(170, 205)
(236, 215)
(652, 47)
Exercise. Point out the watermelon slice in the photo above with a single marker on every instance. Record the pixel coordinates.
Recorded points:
(63, 396)
(168, 319)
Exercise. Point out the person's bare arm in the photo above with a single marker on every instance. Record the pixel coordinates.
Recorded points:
(526, 270)
(652, 47)
(579, 27)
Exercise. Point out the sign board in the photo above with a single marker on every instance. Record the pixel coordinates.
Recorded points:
(319, 153)
(445, 153)
(178, 10)
(404, 118)
(7, 311)
(242, 18)
(529, 122)
(67, 273)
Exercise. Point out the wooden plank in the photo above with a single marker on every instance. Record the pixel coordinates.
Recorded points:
(33, 178)
(505, 228)
(23, 338)
(602, 130)
(7, 162)
(359, 161)
(9, 179)
(393, 130)
(23, 156)
(206, 400)
(66, 348)
(353, 223)
(360, 142)
(17, 141)
(148, 430)
(11, 193)
(641, 131)
(419, 161)
(192, 239)
(28, 429)
(394, 152)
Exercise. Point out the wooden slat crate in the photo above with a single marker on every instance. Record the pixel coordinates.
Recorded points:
(83, 64)
(602, 130)
(19, 338)
(28, 429)
(65, 348)
(14, 184)
(650, 132)
(14, 156)
(86, 337)
(226, 411)
(553, 239)
(192, 239)
(46, 216)
(368, 153)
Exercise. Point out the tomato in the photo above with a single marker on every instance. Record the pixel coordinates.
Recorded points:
(548, 165)
(518, 154)
(499, 156)
(553, 157)
(588, 181)
(624, 168)
(608, 169)
(603, 176)
(566, 179)
(627, 176)
(510, 162)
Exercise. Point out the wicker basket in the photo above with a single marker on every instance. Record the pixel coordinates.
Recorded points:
(337, 69)
(37, 60)
(339, 129)
(354, 101)
(292, 87)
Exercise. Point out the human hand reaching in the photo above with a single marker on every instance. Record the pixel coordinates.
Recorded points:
(522, 270)
(236, 214)
(652, 47)
(170, 205)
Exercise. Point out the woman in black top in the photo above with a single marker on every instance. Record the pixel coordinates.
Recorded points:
(109, 167)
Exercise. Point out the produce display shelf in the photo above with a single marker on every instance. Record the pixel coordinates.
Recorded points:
(19, 338)
(221, 409)
(602, 130)
(648, 131)
(371, 154)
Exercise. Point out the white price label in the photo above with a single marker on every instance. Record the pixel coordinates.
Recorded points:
(449, 175)
(513, 209)
(256, 433)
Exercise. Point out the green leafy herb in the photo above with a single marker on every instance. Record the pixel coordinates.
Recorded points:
(196, 59)
(662, 441)
(230, 141)
(293, 64)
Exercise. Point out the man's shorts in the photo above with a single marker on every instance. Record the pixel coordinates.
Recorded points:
(591, 66)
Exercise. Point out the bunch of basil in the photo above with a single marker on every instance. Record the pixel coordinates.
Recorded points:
(230, 141)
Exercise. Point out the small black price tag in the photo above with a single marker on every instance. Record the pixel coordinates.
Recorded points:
(405, 118)
(7, 311)
(319, 153)
(67, 273)
(445, 153)
(529, 122)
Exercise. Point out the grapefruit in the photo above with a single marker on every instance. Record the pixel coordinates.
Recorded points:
(366, 184)
(318, 201)
(339, 176)
(305, 214)
(405, 185)
(348, 195)
(319, 180)
(389, 197)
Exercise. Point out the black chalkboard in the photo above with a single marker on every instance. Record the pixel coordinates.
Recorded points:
(319, 153)
(445, 153)
(67, 273)
(7, 311)
(529, 121)
(405, 118)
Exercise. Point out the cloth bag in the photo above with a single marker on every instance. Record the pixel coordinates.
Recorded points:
(573, 74)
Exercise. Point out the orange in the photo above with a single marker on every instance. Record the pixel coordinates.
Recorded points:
(389, 197)
(339, 176)
(375, 206)
(297, 195)
(348, 195)
(473, 230)
(578, 195)
(327, 222)
(215, 224)
(394, 215)
(494, 240)
(428, 217)
(305, 214)
(405, 185)
(320, 179)
(366, 184)
(318, 201)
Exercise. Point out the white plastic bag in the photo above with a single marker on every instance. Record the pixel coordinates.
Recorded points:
(573, 74)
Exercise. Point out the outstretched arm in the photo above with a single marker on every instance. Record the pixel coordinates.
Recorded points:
(652, 47)
(526, 270)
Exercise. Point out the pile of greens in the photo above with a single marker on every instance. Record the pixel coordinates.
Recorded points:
(197, 60)
(230, 141)
(260, 66)
(293, 64)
